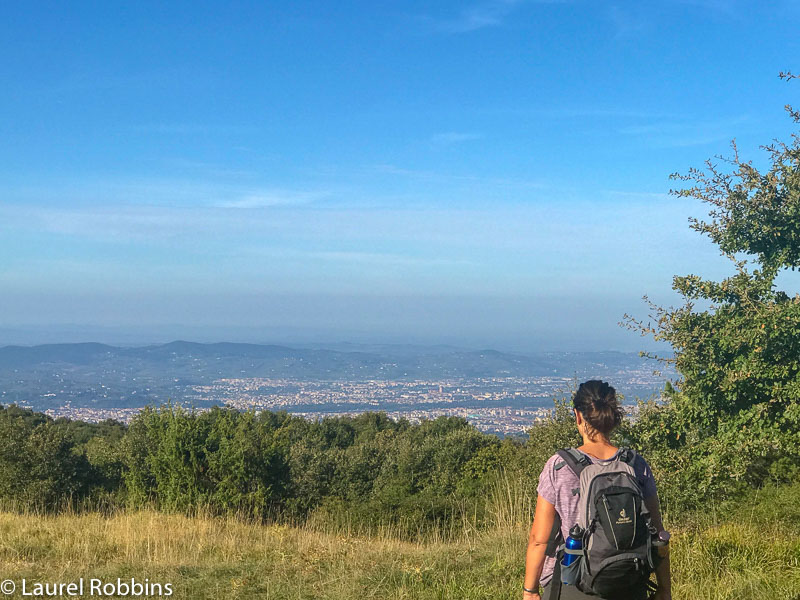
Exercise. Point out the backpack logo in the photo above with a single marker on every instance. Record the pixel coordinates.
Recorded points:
(624, 519)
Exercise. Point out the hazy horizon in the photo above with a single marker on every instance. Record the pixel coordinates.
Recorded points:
(490, 174)
(116, 336)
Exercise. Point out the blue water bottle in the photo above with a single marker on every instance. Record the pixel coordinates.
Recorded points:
(573, 542)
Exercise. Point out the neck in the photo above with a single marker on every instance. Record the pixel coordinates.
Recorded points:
(599, 447)
(599, 441)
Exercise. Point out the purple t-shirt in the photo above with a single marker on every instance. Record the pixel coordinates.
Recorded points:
(556, 487)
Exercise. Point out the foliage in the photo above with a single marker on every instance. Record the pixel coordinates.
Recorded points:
(221, 459)
(367, 468)
(734, 416)
(38, 465)
(556, 432)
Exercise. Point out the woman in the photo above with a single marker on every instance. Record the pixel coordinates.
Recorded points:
(597, 414)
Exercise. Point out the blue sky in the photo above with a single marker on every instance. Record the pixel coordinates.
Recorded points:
(478, 173)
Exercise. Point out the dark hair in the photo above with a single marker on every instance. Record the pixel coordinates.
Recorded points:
(597, 402)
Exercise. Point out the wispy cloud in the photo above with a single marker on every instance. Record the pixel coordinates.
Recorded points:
(628, 22)
(272, 198)
(332, 226)
(154, 211)
(490, 13)
(210, 169)
(686, 133)
(729, 8)
(381, 258)
(112, 223)
(479, 16)
(637, 21)
(178, 128)
(578, 112)
(218, 191)
(449, 138)
(103, 81)
(637, 195)
(201, 249)
(422, 174)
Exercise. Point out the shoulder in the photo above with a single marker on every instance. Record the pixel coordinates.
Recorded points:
(551, 462)
(555, 463)
(550, 481)
(556, 470)
(549, 465)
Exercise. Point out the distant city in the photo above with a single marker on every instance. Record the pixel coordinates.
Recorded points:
(497, 392)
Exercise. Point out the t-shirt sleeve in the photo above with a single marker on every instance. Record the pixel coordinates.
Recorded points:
(547, 488)
(646, 478)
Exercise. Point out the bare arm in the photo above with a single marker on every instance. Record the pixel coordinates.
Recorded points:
(537, 544)
(662, 572)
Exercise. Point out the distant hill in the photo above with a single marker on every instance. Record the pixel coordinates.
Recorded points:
(77, 354)
(229, 359)
(99, 375)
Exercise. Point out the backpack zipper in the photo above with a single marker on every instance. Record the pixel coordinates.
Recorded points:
(611, 525)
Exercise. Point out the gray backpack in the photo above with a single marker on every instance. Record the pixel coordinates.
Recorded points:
(616, 558)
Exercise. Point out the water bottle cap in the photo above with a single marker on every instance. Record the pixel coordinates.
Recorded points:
(576, 531)
(664, 536)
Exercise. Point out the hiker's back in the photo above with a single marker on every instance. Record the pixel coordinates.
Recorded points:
(607, 514)
(608, 495)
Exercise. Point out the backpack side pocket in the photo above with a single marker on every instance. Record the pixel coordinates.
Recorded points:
(571, 573)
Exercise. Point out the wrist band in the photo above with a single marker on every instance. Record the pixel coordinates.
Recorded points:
(524, 589)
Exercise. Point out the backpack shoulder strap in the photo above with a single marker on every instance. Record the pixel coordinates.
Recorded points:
(554, 549)
(556, 538)
(630, 456)
(574, 459)
(555, 583)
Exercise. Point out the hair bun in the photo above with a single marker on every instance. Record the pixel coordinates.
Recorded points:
(597, 401)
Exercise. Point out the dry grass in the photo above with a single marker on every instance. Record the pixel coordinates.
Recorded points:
(217, 558)
(206, 557)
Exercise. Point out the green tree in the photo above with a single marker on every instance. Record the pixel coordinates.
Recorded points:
(39, 466)
(247, 467)
(221, 459)
(735, 409)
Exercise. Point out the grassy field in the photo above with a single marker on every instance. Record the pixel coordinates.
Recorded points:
(751, 549)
